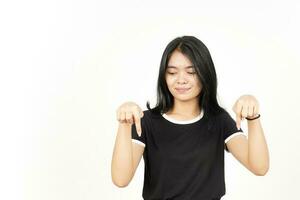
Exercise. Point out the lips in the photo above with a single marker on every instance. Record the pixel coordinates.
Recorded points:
(182, 90)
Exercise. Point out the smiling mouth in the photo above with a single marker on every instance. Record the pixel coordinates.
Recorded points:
(182, 90)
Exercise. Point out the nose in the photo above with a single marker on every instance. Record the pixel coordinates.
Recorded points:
(181, 78)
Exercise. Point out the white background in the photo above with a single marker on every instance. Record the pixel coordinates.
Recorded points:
(65, 67)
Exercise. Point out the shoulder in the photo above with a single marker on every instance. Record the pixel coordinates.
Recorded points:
(147, 118)
(217, 117)
(222, 118)
(151, 114)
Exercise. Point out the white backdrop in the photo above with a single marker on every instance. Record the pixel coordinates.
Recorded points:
(67, 65)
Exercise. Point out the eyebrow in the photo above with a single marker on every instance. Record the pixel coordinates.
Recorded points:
(170, 66)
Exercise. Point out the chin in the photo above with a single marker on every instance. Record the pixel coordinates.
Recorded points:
(183, 98)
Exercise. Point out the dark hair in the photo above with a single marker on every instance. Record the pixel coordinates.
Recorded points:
(199, 55)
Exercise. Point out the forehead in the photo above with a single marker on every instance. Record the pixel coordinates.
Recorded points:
(178, 60)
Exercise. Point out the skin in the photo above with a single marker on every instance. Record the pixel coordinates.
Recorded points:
(179, 73)
(126, 154)
(251, 152)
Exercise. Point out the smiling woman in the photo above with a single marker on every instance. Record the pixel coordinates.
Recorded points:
(182, 139)
(187, 78)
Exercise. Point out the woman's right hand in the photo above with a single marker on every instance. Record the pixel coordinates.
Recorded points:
(129, 113)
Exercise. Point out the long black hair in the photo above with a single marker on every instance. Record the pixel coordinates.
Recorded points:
(199, 55)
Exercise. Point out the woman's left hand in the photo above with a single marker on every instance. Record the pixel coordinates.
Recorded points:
(245, 106)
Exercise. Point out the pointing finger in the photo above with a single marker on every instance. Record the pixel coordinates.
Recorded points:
(238, 121)
(238, 115)
(137, 121)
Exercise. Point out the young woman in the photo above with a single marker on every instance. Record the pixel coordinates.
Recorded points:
(182, 139)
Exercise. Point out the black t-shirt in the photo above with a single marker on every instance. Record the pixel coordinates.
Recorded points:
(184, 160)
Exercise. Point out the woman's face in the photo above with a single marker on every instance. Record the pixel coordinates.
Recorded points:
(181, 78)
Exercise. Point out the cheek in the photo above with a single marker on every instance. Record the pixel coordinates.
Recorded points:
(197, 85)
(197, 82)
(170, 80)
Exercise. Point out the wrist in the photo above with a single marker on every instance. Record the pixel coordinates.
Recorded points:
(253, 118)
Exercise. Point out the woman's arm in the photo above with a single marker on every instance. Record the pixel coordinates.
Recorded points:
(252, 152)
(126, 157)
(122, 162)
(258, 150)
(126, 154)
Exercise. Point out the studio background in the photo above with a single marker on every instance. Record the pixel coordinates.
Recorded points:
(66, 66)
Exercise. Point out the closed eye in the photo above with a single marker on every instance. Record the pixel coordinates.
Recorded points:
(175, 73)
(171, 73)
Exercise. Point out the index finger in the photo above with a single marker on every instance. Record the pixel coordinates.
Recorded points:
(137, 121)
(238, 122)
(238, 116)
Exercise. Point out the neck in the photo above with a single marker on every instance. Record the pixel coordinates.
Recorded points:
(190, 108)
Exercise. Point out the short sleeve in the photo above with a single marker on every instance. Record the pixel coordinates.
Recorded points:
(141, 140)
(229, 129)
